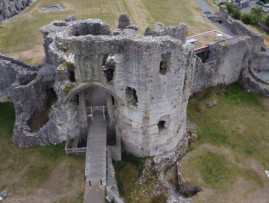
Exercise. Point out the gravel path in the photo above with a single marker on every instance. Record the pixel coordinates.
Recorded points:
(205, 8)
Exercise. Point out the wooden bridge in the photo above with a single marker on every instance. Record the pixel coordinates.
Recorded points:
(95, 168)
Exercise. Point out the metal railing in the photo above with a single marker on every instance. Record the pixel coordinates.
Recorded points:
(75, 150)
(92, 109)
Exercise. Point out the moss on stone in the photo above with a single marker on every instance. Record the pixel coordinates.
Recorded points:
(65, 65)
(68, 87)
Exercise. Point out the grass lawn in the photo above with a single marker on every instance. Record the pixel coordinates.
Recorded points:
(229, 158)
(22, 39)
(42, 173)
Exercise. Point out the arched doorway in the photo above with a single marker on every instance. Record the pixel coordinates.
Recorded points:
(94, 103)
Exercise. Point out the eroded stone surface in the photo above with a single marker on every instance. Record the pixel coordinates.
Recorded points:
(9, 8)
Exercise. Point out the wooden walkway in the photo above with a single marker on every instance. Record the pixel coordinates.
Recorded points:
(94, 193)
(95, 167)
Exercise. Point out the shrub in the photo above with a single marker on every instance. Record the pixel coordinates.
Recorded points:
(236, 14)
(257, 11)
(254, 20)
(246, 18)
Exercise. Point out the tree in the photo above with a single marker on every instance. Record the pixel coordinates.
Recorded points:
(258, 12)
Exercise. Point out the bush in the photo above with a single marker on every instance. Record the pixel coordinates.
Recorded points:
(257, 12)
(230, 7)
(246, 18)
(254, 20)
(236, 14)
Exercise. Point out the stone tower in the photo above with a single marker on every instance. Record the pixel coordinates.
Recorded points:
(147, 80)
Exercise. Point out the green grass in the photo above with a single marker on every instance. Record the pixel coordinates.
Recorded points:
(23, 172)
(173, 12)
(216, 171)
(22, 39)
(127, 172)
(232, 140)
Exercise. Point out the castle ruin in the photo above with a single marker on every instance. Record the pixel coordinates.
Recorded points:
(138, 86)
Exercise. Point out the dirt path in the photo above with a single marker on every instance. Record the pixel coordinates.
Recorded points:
(94, 193)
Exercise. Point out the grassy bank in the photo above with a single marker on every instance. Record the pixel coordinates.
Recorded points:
(231, 153)
(132, 187)
(22, 39)
(39, 173)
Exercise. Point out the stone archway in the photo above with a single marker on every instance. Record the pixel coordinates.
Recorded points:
(81, 87)
(96, 102)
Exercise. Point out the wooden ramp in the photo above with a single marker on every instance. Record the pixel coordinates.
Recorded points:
(95, 167)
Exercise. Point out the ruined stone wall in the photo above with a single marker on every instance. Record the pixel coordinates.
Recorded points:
(251, 83)
(224, 65)
(13, 71)
(239, 28)
(261, 61)
(30, 89)
(9, 8)
(7, 78)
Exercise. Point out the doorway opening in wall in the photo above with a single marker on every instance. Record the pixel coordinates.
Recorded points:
(98, 104)
(100, 108)
(203, 55)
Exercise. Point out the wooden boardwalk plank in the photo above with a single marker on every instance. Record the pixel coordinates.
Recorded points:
(95, 167)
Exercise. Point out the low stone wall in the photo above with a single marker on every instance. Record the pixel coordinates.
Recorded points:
(7, 78)
(251, 84)
(239, 28)
(13, 71)
(115, 152)
(224, 65)
(111, 186)
(257, 77)
(18, 62)
(261, 61)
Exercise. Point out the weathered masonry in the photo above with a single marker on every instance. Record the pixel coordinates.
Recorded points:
(144, 82)
(9, 8)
